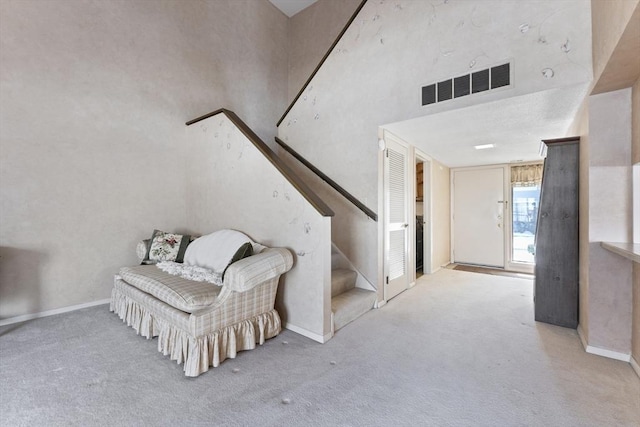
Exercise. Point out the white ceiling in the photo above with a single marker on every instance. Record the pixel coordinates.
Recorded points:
(291, 7)
(515, 125)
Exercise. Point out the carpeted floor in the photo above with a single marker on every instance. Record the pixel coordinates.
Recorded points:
(458, 349)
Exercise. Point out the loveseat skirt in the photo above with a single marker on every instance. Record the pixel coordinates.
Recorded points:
(238, 321)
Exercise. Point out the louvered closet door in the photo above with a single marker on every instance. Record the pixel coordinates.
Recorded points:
(396, 219)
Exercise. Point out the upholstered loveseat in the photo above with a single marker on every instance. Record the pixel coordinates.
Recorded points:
(200, 324)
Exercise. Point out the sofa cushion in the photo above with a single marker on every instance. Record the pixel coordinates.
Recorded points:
(166, 247)
(183, 294)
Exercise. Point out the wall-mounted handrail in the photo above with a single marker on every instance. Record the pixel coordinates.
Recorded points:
(324, 58)
(276, 161)
(371, 214)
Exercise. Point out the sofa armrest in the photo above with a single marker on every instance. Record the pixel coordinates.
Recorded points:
(142, 248)
(249, 272)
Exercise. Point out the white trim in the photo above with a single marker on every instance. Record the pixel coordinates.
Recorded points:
(306, 333)
(47, 313)
(635, 366)
(380, 304)
(381, 221)
(625, 357)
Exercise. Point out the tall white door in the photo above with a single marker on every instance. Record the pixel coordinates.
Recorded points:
(478, 216)
(396, 187)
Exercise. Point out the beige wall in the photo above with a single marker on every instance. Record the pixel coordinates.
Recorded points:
(231, 184)
(610, 219)
(609, 284)
(609, 20)
(374, 75)
(94, 96)
(311, 33)
(441, 215)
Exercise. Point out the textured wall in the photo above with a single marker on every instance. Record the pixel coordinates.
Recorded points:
(311, 33)
(94, 96)
(375, 73)
(610, 219)
(610, 18)
(232, 185)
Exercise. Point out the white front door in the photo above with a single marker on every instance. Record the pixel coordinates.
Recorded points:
(396, 187)
(478, 216)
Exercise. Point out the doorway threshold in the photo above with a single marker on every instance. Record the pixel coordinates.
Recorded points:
(489, 270)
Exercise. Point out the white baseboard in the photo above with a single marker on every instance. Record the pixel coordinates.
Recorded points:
(624, 357)
(635, 366)
(25, 317)
(608, 353)
(379, 304)
(312, 335)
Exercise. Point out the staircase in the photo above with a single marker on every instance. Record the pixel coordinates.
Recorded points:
(348, 302)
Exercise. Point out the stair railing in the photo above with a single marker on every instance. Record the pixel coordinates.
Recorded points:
(324, 58)
(371, 214)
(276, 161)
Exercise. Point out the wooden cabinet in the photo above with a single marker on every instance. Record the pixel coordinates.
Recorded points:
(556, 270)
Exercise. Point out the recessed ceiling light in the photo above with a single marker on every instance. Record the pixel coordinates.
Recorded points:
(483, 147)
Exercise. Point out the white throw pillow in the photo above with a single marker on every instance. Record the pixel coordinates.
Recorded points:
(216, 250)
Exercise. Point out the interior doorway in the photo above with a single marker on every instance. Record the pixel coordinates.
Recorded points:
(423, 232)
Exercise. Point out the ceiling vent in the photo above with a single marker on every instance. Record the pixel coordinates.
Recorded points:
(476, 82)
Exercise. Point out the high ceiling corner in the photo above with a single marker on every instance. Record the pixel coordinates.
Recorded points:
(291, 7)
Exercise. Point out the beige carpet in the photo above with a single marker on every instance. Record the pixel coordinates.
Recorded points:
(458, 349)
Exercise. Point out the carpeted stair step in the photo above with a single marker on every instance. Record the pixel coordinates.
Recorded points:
(342, 280)
(350, 305)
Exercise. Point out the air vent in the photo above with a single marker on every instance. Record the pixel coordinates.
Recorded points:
(476, 82)
(500, 76)
(461, 86)
(480, 81)
(429, 94)
(444, 90)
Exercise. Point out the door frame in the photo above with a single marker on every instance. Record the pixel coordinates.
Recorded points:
(506, 196)
(427, 268)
